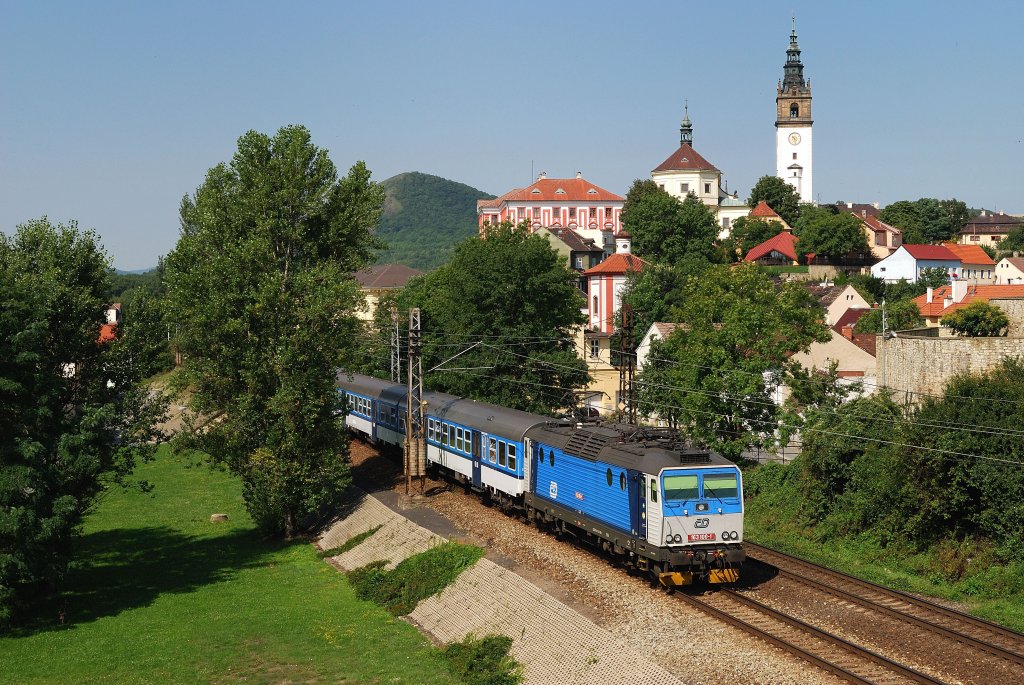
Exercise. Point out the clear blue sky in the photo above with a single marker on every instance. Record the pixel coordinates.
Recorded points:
(111, 112)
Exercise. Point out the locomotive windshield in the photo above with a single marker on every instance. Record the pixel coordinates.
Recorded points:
(720, 486)
(681, 488)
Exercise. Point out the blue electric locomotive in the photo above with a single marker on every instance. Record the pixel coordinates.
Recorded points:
(674, 511)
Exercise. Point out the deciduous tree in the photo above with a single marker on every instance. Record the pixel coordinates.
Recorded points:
(901, 315)
(779, 195)
(824, 231)
(261, 293)
(714, 377)
(665, 230)
(747, 233)
(72, 414)
(978, 319)
(512, 302)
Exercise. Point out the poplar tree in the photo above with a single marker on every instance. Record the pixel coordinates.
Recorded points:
(261, 295)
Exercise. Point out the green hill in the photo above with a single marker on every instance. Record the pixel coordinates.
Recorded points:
(424, 216)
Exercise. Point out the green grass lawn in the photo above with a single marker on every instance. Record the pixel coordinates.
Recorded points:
(165, 596)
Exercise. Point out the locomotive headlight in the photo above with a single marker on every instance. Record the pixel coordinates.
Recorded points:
(678, 537)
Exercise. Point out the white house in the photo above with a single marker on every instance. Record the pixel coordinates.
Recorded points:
(657, 331)
(1010, 271)
(908, 261)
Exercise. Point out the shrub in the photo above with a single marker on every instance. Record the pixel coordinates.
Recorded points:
(483, 661)
(978, 319)
(418, 577)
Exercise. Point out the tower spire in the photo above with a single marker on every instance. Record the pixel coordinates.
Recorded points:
(793, 71)
(686, 128)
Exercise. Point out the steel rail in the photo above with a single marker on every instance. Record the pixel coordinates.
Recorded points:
(812, 631)
(923, 604)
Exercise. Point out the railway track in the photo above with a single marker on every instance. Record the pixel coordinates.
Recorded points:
(968, 630)
(834, 654)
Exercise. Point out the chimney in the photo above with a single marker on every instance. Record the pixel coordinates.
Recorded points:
(875, 205)
(623, 243)
(848, 331)
(542, 176)
(929, 295)
(959, 289)
(579, 174)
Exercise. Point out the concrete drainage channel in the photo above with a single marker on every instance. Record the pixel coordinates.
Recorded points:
(555, 644)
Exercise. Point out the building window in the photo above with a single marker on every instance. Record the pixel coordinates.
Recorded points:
(794, 111)
(662, 186)
(593, 212)
(556, 213)
(579, 262)
(684, 188)
(975, 238)
(726, 222)
(595, 349)
(794, 155)
(572, 212)
(595, 304)
(707, 188)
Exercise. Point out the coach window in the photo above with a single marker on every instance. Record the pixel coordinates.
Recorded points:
(622, 481)
(492, 448)
(444, 434)
(608, 477)
(460, 439)
(512, 457)
(501, 454)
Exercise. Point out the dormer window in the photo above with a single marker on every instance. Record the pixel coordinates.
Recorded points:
(559, 192)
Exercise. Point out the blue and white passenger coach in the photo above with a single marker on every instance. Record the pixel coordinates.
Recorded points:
(674, 511)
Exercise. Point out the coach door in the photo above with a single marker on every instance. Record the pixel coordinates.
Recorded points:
(476, 459)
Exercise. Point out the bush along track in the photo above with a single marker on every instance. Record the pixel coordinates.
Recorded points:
(351, 543)
(483, 661)
(414, 579)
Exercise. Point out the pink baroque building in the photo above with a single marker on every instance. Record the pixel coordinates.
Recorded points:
(574, 203)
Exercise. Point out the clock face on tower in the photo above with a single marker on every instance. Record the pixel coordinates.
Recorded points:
(794, 138)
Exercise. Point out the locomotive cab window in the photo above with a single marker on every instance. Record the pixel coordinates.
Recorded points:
(721, 486)
(681, 488)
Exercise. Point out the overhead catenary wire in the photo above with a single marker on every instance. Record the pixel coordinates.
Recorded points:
(804, 428)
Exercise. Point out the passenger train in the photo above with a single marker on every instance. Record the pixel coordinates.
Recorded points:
(673, 511)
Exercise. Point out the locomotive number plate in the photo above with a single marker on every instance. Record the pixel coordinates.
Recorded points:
(698, 537)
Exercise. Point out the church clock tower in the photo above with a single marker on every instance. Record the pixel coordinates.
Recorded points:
(793, 124)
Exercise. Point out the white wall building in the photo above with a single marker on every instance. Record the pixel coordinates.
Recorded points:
(908, 261)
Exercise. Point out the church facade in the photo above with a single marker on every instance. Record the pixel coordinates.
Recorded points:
(686, 171)
(793, 122)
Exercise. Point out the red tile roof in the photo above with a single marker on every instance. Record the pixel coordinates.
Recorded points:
(974, 292)
(762, 210)
(935, 252)
(385, 276)
(867, 342)
(108, 332)
(685, 159)
(547, 190)
(860, 209)
(783, 243)
(618, 263)
(877, 224)
(850, 317)
(970, 254)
